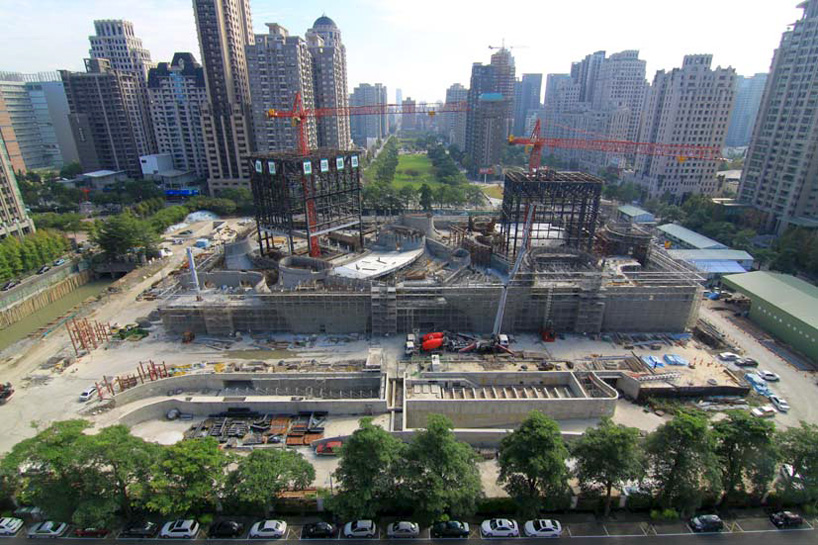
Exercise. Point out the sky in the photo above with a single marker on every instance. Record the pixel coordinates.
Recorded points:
(423, 46)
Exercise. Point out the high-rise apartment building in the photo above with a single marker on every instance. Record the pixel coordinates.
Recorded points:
(621, 84)
(454, 124)
(586, 74)
(496, 81)
(13, 217)
(329, 64)
(780, 175)
(116, 41)
(690, 105)
(177, 96)
(47, 95)
(396, 119)
(20, 109)
(526, 100)
(409, 120)
(225, 30)
(561, 93)
(280, 66)
(749, 92)
(100, 101)
(367, 129)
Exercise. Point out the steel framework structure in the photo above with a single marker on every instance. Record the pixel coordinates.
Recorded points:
(307, 196)
(567, 206)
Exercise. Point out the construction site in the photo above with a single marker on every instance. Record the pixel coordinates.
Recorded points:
(323, 268)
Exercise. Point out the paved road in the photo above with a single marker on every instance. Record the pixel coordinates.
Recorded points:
(789, 537)
(797, 387)
(33, 277)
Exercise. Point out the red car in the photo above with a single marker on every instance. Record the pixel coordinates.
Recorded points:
(91, 532)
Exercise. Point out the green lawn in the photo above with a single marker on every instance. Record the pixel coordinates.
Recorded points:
(420, 165)
(494, 191)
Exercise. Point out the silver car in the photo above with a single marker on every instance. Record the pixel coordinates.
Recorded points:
(48, 528)
(403, 528)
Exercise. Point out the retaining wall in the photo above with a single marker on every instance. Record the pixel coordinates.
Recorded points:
(43, 296)
(215, 382)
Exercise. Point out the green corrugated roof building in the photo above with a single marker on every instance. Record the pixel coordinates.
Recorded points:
(782, 305)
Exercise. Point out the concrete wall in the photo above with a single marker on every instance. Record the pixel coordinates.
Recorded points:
(295, 270)
(504, 413)
(215, 382)
(15, 309)
(159, 409)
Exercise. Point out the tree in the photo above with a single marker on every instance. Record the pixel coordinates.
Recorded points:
(746, 449)
(798, 448)
(242, 197)
(426, 197)
(682, 461)
(439, 473)
(367, 471)
(532, 463)
(49, 469)
(71, 170)
(188, 477)
(608, 455)
(124, 462)
(262, 475)
(123, 233)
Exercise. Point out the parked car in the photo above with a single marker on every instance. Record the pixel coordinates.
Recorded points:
(58, 262)
(44, 269)
(269, 529)
(769, 376)
(88, 393)
(542, 528)
(786, 519)
(9, 526)
(360, 528)
(706, 523)
(91, 532)
(746, 362)
(499, 528)
(403, 528)
(180, 529)
(139, 528)
(767, 411)
(318, 530)
(780, 403)
(10, 284)
(48, 528)
(450, 528)
(728, 356)
(226, 528)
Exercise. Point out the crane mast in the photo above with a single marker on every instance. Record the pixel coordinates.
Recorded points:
(501, 306)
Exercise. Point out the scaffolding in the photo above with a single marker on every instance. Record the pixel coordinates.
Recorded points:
(306, 196)
(567, 209)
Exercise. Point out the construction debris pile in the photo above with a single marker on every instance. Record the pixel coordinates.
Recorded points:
(237, 428)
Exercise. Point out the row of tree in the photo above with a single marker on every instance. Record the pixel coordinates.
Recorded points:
(25, 255)
(386, 198)
(92, 479)
(680, 464)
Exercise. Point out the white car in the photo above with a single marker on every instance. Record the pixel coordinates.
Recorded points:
(9, 526)
(542, 528)
(780, 403)
(180, 529)
(270, 529)
(728, 356)
(88, 393)
(767, 411)
(360, 528)
(403, 528)
(48, 528)
(769, 376)
(499, 528)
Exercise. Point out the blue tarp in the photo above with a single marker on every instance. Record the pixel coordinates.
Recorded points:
(673, 359)
(652, 361)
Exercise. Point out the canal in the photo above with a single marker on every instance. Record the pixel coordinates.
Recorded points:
(46, 315)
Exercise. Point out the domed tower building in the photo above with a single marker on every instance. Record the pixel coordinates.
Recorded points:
(329, 61)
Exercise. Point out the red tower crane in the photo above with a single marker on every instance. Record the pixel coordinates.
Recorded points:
(682, 152)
